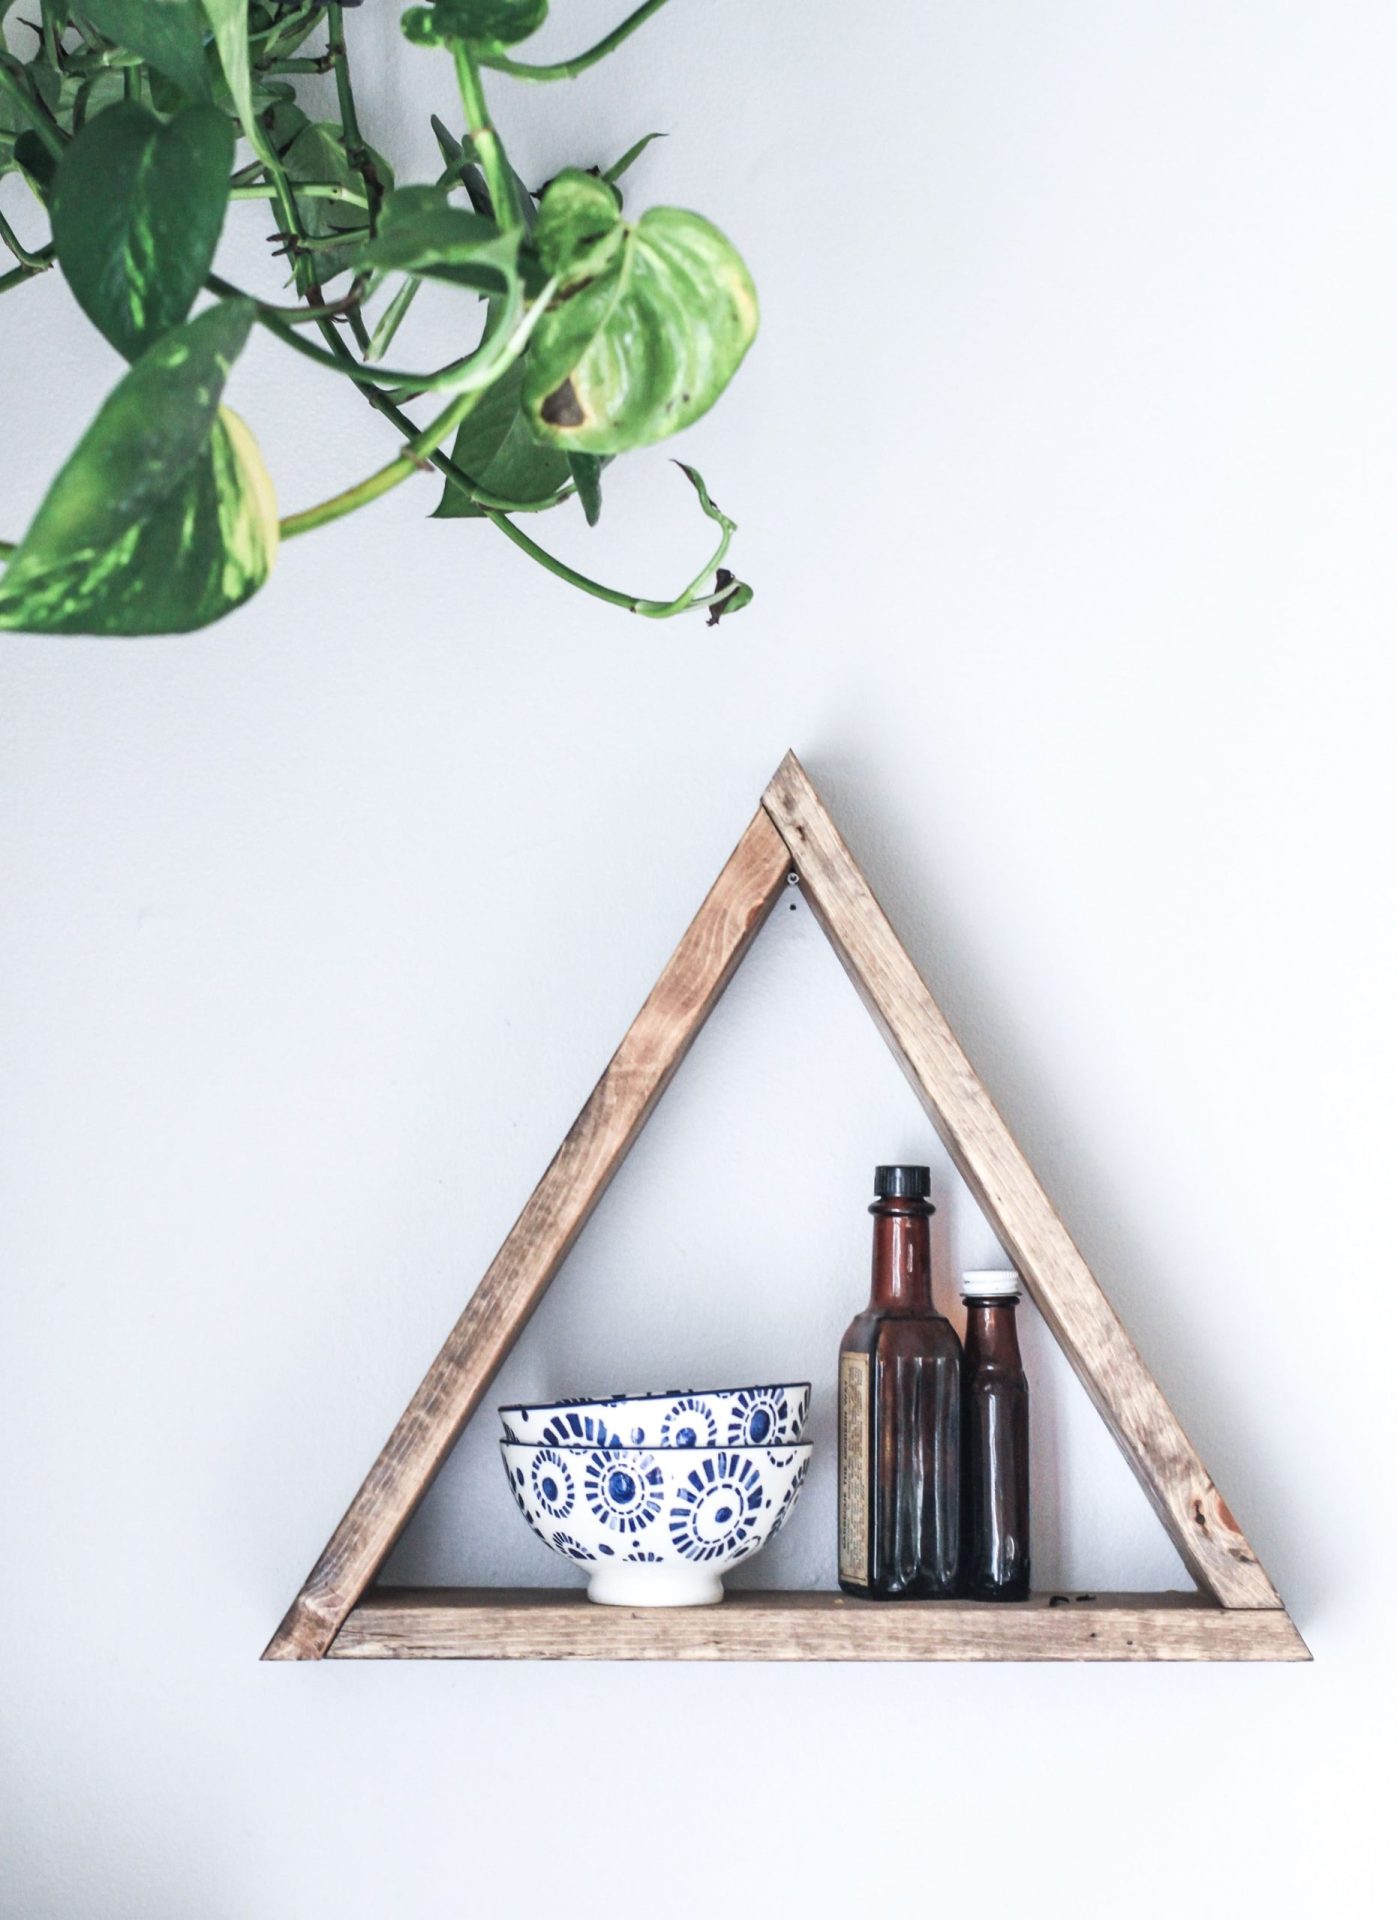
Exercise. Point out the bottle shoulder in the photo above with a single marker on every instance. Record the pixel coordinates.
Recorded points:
(877, 1332)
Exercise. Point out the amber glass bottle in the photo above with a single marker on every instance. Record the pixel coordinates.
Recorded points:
(996, 1440)
(900, 1414)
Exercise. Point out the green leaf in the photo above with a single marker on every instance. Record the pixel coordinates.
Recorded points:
(167, 33)
(495, 447)
(498, 23)
(228, 18)
(419, 231)
(318, 153)
(648, 345)
(579, 224)
(163, 518)
(586, 477)
(137, 212)
(629, 157)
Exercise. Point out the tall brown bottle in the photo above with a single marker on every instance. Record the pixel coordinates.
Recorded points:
(996, 1440)
(900, 1414)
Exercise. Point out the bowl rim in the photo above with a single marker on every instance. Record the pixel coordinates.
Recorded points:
(733, 1446)
(637, 1399)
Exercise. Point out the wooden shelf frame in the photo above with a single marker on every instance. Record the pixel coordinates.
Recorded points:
(1237, 1613)
(536, 1623)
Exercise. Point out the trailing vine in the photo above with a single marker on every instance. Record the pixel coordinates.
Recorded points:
(136, 123)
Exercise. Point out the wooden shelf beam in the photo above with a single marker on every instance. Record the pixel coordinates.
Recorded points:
(535, 1623)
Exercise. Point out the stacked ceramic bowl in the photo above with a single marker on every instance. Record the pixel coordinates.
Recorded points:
(659, 1493)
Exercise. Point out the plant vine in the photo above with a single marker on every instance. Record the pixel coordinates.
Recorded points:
(135, 125)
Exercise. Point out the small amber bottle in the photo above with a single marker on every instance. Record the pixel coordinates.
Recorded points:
(996, 1440)
(900, 1414)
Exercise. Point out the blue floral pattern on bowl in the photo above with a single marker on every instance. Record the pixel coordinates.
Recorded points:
(553, 1487)
(766, 1416)
(690, 1422)
(572, 1429)
(624, 1494)
(716, 1508)
(657, 1526)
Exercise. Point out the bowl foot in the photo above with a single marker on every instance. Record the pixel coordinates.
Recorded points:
(651, 1586)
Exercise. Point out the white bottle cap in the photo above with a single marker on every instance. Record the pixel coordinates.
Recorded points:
(990, 1285)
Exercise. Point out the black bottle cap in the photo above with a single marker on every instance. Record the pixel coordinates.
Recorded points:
(902, 1183)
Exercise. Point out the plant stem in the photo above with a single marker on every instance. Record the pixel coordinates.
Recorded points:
(281, 193)
(298, 316)
(33, 261)
(355, 149)
(18, 275)
(312, 189)
(485, 140)
(393, 316)
(647, 609)
(311, 63)
(280, 321)
(569, 69)
(560, 570)
(408, 462)
(484, 369)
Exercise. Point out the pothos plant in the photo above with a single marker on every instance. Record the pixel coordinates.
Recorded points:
(596, 333)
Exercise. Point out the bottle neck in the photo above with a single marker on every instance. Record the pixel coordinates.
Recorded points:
(992, 1332)
(901, 1256)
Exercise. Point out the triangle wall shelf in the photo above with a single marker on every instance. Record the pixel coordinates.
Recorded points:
(1236, 1613)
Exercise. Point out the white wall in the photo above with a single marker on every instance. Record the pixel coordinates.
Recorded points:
(1065, 473)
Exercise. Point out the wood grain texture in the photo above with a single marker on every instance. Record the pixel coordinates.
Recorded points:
(555, 1214)
(534, 1624)
(1197, 1518)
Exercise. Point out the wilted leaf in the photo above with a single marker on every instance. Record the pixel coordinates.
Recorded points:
(137, 211)
(419, 231)
(495, 447)
(578, 226)
(649, 344)
(163, 518)
(735, 595)
(497, 23)
(167, 33)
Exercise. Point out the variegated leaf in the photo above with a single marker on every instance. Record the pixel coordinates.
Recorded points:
(163, 518)
(137, 211)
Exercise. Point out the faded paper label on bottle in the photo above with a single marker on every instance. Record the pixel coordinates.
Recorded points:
(853, 1468)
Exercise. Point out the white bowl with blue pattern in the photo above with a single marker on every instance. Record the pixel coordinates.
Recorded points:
(655, 1526)
(712, 1417)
